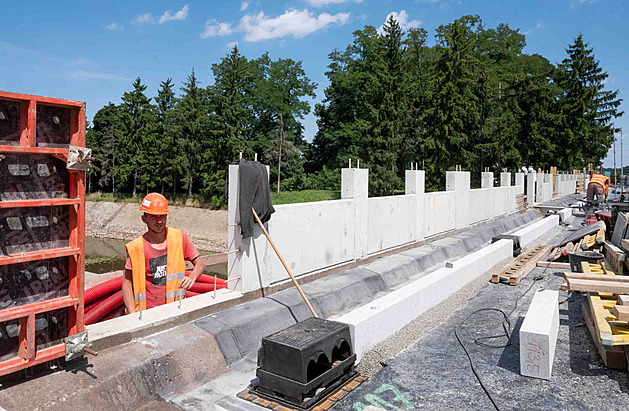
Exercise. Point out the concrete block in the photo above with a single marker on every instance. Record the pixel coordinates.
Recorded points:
(564, 213)
(528, 234)
(538, 335)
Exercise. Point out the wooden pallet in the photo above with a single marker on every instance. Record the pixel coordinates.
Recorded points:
(522, 265)
(324, 404)
(613, 357)
(521, 203)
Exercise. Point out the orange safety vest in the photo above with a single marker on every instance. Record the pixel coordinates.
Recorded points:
(175, 268)
(600, 179)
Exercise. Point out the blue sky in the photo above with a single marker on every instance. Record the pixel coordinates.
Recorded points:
(92, 50)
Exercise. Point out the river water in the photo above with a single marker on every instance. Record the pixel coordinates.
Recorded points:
(104, 255)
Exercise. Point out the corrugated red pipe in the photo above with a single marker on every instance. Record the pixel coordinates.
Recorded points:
(109, 304)
(104, 288)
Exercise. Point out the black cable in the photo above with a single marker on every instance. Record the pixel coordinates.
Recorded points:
(506, 334)
(469, 357)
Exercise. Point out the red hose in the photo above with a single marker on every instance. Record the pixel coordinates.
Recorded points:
(104, 288)
(207, 279)
(204, 288)
(103, 308)
(89, 307)
(115, 312)
(190, 294)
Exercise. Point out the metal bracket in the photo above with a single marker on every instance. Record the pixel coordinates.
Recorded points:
(76, 345)
(79, 158)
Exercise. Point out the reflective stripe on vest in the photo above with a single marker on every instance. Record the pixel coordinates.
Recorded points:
(175, 267)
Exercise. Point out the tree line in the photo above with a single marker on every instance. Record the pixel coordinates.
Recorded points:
(473, 99)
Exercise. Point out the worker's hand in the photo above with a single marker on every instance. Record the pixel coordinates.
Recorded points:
(186, 283)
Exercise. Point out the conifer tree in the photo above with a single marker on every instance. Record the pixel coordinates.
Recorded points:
(588, 109)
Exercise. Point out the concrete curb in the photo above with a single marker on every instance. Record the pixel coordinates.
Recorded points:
(529, 233)
(378, 320)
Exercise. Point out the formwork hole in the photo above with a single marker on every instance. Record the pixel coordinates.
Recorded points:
(341, 352)
(318, 367)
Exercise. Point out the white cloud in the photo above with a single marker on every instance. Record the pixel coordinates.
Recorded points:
(147, 18)
(180, 15)
(214, 28)
(259, 27)
(537, 27)
(244, 5)
(321, 3)
(294, 23)
(144, 19)
(82, 75)
(231, 45)
(402, 19)
(114, 27)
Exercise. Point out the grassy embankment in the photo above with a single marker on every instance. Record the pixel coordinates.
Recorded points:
(285, 197)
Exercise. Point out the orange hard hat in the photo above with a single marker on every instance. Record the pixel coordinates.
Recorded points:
(155, 203)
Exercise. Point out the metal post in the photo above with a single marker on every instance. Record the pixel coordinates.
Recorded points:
(614, 156)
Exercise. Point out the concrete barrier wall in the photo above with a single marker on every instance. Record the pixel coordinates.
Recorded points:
(389, 229)
(439, 215)
(319, 235)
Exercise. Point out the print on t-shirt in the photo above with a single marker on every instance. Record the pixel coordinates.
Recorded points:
(157, 265)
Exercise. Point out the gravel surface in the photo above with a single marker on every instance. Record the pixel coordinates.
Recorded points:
(430, 369)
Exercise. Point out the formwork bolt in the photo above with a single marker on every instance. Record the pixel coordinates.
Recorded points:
(55, 120)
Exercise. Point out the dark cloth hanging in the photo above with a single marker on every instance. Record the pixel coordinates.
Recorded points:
(254, 192)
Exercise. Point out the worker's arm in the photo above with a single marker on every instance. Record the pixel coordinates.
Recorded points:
(127, 292)
(187, 282)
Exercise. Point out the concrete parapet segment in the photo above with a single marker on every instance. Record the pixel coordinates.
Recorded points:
(378, 320)
(538, 335)
(529, 233)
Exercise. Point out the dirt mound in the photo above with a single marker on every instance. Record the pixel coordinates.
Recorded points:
(208, 228)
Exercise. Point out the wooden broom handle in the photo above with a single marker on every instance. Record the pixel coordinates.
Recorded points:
(284, 263)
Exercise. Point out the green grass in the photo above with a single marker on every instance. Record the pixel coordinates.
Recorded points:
(285, 197)
(304, 196)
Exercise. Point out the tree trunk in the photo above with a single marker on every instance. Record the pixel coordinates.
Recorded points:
(162, 190)
(135, 183)
(174, 185)
(190, 185)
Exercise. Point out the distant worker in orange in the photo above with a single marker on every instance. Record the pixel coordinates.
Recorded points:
(598, 188)
(156, 261)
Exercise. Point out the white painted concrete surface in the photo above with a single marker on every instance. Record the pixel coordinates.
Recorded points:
(378, 320)
(564, 213)
(538, 335)
(319, 235)
(529, 233)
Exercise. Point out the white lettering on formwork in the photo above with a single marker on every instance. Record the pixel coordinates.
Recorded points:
(160, 271)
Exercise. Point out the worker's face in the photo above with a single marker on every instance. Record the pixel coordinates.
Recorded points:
(155, 223)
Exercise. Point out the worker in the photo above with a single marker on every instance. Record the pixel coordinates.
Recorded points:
(155, 268)
(598, 188)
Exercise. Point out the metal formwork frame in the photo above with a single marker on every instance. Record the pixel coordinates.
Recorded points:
(28, 355)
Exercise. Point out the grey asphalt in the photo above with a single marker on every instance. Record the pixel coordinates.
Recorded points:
(434, 372)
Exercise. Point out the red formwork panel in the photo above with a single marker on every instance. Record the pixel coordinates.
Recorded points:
(42, 228)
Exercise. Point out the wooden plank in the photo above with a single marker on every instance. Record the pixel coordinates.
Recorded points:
(598, 286)
(613, 357)
(614, 333)
(623, 299)
(597, 277)
(552, 264)
(621, 312)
